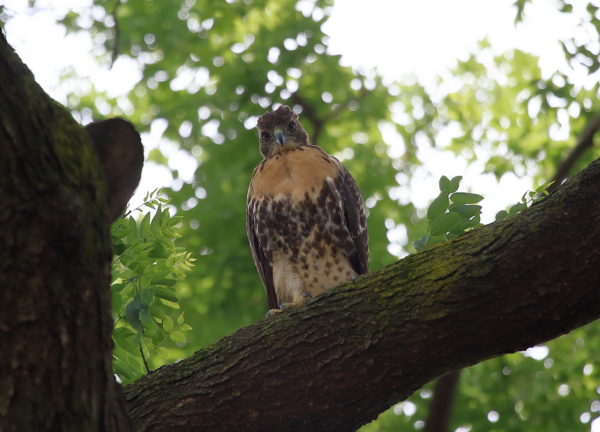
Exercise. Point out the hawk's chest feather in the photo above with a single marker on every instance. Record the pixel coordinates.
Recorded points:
(293, 173)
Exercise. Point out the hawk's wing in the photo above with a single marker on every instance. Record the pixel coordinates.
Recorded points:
(263, 264)
(355, 218)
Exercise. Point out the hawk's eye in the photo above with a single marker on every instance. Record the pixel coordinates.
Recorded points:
(264, 135)
(292, 126)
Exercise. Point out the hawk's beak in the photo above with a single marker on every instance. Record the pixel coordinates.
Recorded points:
(280, 136)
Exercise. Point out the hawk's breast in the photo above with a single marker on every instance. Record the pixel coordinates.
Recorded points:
(293, 172)
(299, 221)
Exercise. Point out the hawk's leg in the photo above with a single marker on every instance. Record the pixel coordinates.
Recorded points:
(299, 300)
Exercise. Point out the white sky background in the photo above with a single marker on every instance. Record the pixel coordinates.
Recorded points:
(398, 38)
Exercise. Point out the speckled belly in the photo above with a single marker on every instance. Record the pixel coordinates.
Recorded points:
(308, 242)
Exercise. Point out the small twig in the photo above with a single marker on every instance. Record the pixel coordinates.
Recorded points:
(117, 321)
(143, 356)
(585, 141)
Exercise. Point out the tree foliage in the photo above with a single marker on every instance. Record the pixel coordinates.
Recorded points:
(209, 68)
(149, 323)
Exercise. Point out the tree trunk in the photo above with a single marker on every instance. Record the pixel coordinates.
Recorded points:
(55, 322)
(440, 408)
(339, 361)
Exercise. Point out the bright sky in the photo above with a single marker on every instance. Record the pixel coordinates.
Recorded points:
(397, 37)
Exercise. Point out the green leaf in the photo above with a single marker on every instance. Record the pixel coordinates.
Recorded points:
(158, 250)
(444, 223)
(169, 303)
(437, 206)
(454, 184)
(501, 215)
(145, 225)
(517, 208)
(132, 311)
(145, 282)
(420, 243)
(125, 338)
(119, 228)
(166, 294)
(465, 225)
(158, 216)
(116, 301)
(177, 336)
(167, 323)
(566, 8)
(175, 220)
(118, 248)
(147, 321)
(132, 235)
(465, 198)
(444, 184)
(466, 210)
(147, 296)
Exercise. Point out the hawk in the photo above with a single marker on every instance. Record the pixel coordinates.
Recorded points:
(305, 219)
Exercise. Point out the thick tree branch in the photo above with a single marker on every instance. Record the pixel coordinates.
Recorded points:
(339, 361)
(438, 417)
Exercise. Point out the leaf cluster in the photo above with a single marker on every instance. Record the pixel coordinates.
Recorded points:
(149, 323)
(528, 198)
(450, 214)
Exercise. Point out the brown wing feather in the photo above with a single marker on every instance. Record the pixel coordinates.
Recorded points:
(355, 219)
(262, 263)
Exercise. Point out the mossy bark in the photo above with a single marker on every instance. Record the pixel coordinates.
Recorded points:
(339, 361)
(55, 323)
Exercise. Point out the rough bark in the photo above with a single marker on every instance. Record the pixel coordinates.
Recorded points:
(55, 322)
(337, 362)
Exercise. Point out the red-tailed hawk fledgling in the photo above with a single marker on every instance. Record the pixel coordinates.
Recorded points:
(305, 219)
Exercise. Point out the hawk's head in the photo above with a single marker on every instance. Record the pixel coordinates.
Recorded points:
(280, 129)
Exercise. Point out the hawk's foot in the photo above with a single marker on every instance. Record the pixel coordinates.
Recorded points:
(272, 313)
(299, 300)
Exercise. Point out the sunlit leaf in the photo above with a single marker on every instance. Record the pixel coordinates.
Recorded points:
(437, 206)
(465, 198)
(444, 223)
